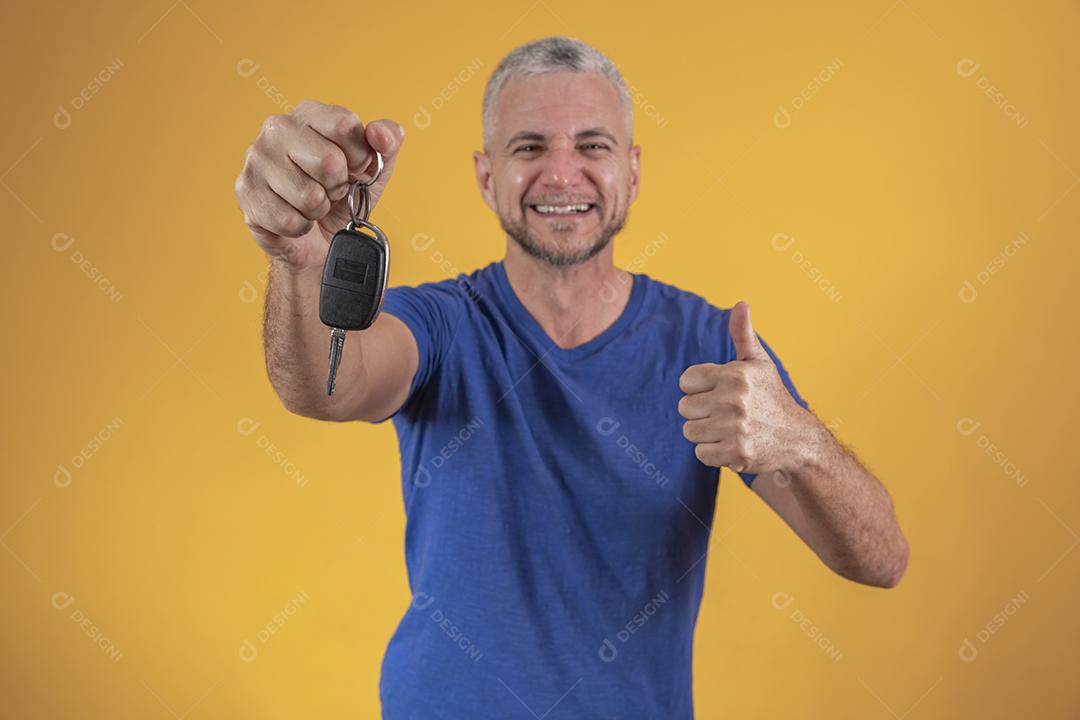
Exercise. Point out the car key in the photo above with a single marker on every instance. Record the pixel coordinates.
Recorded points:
(354, 275)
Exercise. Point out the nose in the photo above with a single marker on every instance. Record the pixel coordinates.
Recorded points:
(562, 167)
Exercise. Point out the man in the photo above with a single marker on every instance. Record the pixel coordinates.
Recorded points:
(561, 422)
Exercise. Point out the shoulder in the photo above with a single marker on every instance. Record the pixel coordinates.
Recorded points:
(450, 295)
(690, 315)
(677, 302)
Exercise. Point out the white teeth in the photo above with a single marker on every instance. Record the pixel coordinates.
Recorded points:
(561, 209)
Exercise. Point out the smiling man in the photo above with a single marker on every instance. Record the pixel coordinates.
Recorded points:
(561, 422)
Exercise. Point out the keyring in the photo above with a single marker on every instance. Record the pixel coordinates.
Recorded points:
(365, 198)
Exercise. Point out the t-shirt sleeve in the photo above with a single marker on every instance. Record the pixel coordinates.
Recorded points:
(748, 478)
(430, 311)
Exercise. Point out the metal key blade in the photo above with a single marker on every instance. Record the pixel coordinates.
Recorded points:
(337, 344)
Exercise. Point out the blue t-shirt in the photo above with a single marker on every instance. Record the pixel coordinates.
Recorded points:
(557, 519)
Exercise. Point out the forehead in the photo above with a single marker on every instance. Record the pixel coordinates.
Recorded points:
(559, 102)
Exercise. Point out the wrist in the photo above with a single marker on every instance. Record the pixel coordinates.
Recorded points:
(812, 443)
(294, 265)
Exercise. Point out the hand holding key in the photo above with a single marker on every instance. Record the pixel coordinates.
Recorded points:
(297, 174)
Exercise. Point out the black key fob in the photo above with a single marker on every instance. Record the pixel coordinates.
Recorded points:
(354, 277)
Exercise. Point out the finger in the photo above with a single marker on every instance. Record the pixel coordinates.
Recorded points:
(384, 136)
(742, 334)
(706, 430)
(289, 181)
(716, 454)
(340, 126)
(323, 161)
(698, 378)
(696, 406)
(266, 212)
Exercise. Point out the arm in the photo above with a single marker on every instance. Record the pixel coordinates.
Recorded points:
(741, 416)
(377, 365)
(839, 509)
(292, 191)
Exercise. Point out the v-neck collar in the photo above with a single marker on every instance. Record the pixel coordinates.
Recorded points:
(525, 322)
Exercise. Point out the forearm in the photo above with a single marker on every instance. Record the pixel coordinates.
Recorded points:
(296, 344)
(848, 511)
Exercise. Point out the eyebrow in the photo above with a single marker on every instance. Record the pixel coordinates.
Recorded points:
(591, 132)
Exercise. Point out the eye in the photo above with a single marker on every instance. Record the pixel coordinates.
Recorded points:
(525, 148)
(601, 146)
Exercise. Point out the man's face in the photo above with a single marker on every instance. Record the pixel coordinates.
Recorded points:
(559, 140)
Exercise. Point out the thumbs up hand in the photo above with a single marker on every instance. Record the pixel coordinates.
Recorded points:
(739, 414)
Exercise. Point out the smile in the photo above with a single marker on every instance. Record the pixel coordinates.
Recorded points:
(579, 209)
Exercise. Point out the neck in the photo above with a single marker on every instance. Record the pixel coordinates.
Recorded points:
(572, 304)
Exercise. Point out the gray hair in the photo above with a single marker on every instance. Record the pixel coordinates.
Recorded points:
(551, 54)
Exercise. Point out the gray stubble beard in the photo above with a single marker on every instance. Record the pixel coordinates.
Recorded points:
(534, 248)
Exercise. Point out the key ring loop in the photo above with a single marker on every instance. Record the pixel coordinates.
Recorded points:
(365, 198)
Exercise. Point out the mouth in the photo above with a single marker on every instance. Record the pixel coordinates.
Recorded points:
(563, 211)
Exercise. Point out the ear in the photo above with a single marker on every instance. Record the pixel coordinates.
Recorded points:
(635, 171)
(483, 177)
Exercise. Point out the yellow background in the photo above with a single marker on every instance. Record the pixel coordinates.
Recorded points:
(897, 180)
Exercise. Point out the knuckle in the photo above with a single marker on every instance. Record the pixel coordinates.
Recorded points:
(332, 163)
(245, 185)
(346, 122)
(273, 124)
(240, 186)
(313, 197)
(293, 224)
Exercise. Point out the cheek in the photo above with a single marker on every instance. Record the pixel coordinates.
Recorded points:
(512, 186)
(609, 180)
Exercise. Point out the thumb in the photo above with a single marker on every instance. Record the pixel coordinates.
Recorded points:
(385, 137)
(747, 345)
